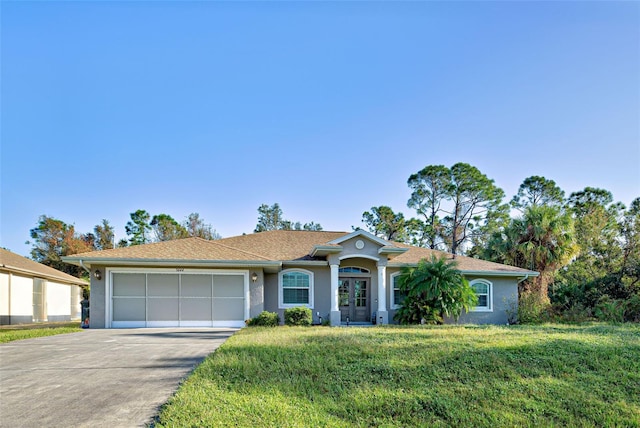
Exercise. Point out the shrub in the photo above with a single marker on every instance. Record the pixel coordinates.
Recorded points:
(632, 312)
(298, 316)
(611, 310)
(434, 290)
(532, 309)
(265, 319)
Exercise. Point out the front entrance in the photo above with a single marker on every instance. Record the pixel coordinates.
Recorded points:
(354, 299)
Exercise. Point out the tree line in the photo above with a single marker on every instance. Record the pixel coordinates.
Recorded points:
(586, 246)
(53, 239)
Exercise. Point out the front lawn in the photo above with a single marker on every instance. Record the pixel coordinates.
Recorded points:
(416, 376)
(29, 331)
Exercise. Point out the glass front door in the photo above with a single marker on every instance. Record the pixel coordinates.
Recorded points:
(353, 296)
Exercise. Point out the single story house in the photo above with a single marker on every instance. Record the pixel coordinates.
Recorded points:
(31, 292)
(343, 277)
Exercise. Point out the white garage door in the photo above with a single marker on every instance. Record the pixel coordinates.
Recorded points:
(178, 299)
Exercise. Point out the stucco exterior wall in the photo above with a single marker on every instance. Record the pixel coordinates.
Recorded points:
(21, 299)
(4, 298)
(97, 317)
(58, 300)
(321, 291)
(504, 298)
(256, 293)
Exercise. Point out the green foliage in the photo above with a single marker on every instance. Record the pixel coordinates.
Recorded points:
(104, 235)
(541, 240)
(31, 331)
(265, 319)
(536, 191)
(440, 376)
(383, 222)
(166, 228)
(610, 310)
(271, 218)
(434, 290)
(138, 228)
(459, 204)
(532, 309)
(298, 316)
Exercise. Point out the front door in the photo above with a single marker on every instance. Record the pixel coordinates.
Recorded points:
(354, 299)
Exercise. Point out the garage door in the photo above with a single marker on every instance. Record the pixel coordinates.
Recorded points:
(178, 299)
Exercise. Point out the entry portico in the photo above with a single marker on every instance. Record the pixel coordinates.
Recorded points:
(358, 245)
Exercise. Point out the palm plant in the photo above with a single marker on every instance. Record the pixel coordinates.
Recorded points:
(434, 290)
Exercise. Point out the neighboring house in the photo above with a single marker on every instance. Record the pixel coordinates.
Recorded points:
(340, 276)
(31, 292)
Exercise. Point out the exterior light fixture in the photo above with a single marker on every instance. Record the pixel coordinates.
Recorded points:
(97, 274)
(254, 277)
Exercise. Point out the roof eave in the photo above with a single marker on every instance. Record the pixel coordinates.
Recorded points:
(517, 274)
(392, 251)
(325, 250)
(178, 262)
(11, 269)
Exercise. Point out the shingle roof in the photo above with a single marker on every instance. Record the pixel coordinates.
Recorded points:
(178, 249)
(271, 246)
(15, 263)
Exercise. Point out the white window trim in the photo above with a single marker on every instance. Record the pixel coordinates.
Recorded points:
(489, 285)
(281, 304)
(392, 299)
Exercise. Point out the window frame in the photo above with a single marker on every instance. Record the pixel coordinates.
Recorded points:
(281, 274)
(489, 284)
(393, 288)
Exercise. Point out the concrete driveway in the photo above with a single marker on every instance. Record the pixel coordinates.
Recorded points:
(98, 378)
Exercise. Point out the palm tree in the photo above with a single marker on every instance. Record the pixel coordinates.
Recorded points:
(434, 289)
(541, 240)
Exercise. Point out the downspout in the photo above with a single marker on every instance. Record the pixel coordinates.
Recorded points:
(85, 268)
(526, 276)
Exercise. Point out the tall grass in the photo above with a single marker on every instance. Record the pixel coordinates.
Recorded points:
(416, 376)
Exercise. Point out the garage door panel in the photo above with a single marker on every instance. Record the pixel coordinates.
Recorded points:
(129, 309)
(163, 309)
(129, 284)
(163, 285)
(196, 286)
(228, 309)
(195, 309)
(228, 286)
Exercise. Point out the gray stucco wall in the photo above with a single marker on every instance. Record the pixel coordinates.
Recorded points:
(321, 292)
(505, 298)
(256, 294)
(97, 299)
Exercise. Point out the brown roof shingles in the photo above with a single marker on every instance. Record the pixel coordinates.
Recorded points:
(178, 249)
(15, 263)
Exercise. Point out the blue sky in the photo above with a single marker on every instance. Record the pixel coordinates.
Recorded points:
(323, 107)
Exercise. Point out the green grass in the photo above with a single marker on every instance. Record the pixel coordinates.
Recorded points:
(554, 375)
(11, 333)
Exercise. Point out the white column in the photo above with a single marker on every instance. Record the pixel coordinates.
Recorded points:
(382, 288)
(334, 288)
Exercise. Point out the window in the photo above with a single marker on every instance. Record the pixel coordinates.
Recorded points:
(353, 269)
(397, 296)
(484, 291)
(295, 288)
